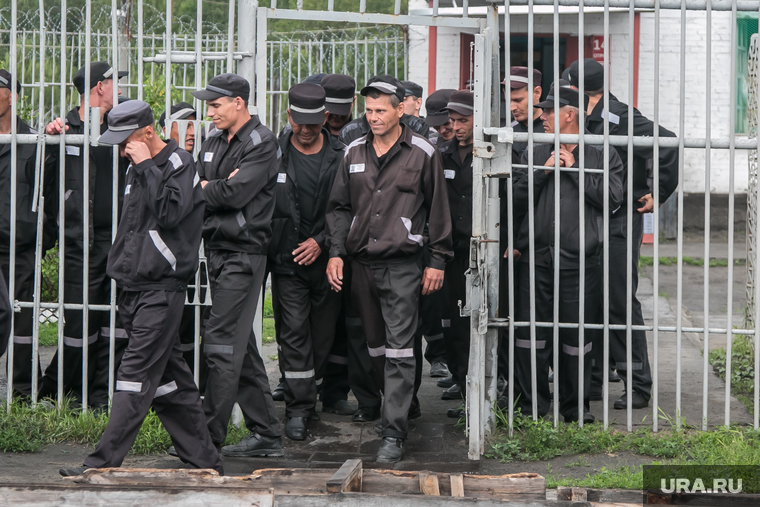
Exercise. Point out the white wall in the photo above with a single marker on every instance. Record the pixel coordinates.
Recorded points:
(447, 76)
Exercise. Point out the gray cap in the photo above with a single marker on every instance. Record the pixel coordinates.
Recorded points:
(124, 119)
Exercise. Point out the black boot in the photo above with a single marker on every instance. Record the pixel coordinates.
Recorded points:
(391, 450)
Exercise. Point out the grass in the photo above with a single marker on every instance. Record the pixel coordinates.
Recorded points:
(689, 261)
(742, 370)
(27, 429)
(540, 440)
(48, 334)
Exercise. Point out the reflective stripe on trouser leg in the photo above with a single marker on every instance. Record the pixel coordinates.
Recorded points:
(145, 377)
(23, 322)
(570, 352)
(235, 369)
(152, 319)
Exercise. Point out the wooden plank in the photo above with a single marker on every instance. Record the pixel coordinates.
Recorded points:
(48, 495)
(616, 495)
(385, 482)
(457, 485)
(347, 478)
(522, 486)
(429, 484)
(574, 494)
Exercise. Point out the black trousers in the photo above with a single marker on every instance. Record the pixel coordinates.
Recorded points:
(99, 290)
(640, 370)
(336, 385)
(387, 301)
(152, 372)
(24, 321)
(307, 310)
(429, 326)
(456, 329)
(235, 368)
(566, 379)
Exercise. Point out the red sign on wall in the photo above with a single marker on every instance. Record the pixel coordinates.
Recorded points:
(597, 48)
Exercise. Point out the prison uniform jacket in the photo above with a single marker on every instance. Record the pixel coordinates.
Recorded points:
(617, 118)
(537, 127)
(155, 247)
(5, 316)
(569, 206)
(286, 219)
(456, 329)
(239, 209)
(360, 127)
(379, 213)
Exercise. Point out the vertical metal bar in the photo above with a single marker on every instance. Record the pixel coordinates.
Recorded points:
(330, 5)
(557, 218)
(114, 206)
(88, 124)
(62, 202)
(366, 59)
(395, 56)
(14, 171)
(679, 275)
(34, 61)
(510, 243)
(298, 57)
(731, 200)
(435, 7)
(246, 45)
(629, 229)
(261, 64)
(271, 74)
(362, 6)
(531, 229)
(230, 36)
(385, 43)
(199, 65)
(38, 205)
(606, 227)
(152, 49)
(168, 68)
(465, 8)
(184, 76)
(397, 7)
(656, 246)
(374, 55)
(706, 267)
(310, 50)
(756, 338)
(581, 226)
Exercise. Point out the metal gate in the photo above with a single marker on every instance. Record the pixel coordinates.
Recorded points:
(247, 52)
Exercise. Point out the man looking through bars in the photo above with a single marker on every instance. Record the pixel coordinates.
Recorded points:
(388, 184)
(570, 252)
(26, 228)
(643, 202)
(99, 223)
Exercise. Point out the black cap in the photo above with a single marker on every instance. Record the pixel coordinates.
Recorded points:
(124, 119)
(6, 79)
(593, 75)
(340, 91)
(384, 83)
(435, 105)
(314, 78)
(180, 111)
(411, 88)
(225, 85)
(567, 97)
(307, 104)
(518, 78)
(123, 99)
(462, 102)
(99, 71)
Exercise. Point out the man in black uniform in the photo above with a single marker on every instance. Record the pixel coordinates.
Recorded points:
(340, 93)
(154, 254)
(388, 184)
(238, 167)
(99, 222)
(180, 111)
(570, 252)
(617, 118)
(456, 156)
(303, 303)
(5, 316)
(438, 116)
(26, 229)
(518, 104)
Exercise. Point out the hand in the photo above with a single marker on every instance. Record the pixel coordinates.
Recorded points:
(55, 127)
(335, 273)
(566, 158)
(515, 254)
(204, 183)
(432, 280)
(307, 252)
(138, 152)
(233, 173)
(648, 204)
(550, 163)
